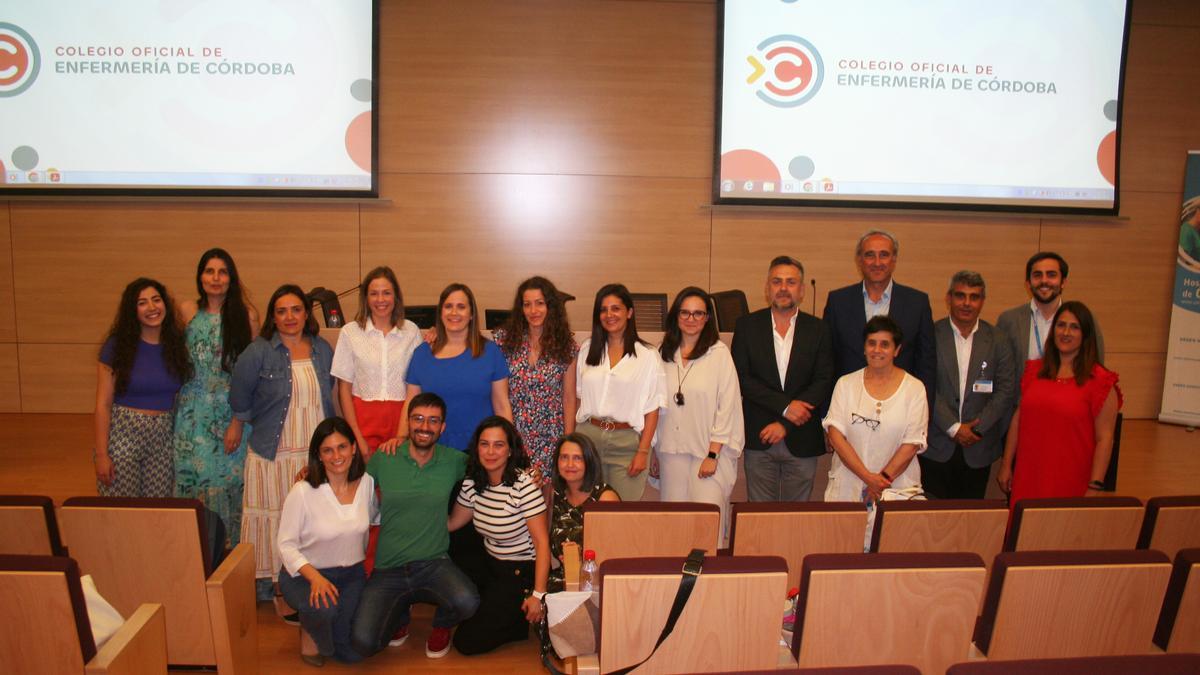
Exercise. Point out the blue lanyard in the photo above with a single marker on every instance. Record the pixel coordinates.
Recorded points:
(1037, 333)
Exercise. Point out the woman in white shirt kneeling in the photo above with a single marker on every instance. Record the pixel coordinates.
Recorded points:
(508, 511)
(322, 542)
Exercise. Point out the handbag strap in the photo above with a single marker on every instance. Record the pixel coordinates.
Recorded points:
(691, 569)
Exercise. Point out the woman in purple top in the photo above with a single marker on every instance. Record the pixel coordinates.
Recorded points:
(143, 363)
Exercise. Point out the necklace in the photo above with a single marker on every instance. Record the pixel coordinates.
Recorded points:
(679, 390)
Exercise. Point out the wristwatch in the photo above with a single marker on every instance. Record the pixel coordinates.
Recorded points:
(712, 455)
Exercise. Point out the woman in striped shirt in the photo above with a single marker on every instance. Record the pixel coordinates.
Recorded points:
(506, 506)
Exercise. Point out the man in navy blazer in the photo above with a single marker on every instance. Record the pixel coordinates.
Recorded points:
(847, 310)
(784, 362)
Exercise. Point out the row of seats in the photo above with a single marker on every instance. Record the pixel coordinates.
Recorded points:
(140, 553)
(925, 608)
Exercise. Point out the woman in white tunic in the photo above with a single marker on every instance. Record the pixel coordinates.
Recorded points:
(876, 423)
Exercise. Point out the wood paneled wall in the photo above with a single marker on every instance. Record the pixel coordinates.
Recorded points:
(573, 138)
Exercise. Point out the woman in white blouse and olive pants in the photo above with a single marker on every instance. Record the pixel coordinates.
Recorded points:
(701, 433)
(621, 386)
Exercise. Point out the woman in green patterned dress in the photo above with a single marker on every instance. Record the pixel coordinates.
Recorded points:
(209, 452)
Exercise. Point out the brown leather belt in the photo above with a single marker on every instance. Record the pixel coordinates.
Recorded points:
(609, 425)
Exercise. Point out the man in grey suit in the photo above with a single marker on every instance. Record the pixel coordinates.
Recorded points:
(1028, 325)
(976, 382)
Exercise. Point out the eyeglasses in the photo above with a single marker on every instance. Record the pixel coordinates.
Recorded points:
(421, 420)
(855, 418)
(698, 315)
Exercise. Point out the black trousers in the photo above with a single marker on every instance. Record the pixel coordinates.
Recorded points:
(953, 479)
(502, 588)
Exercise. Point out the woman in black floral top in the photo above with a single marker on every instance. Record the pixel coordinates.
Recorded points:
(576, 482)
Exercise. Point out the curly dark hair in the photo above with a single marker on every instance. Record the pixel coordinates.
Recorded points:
(236, 331)
(557, 339)
(126, 333)
(518, 459)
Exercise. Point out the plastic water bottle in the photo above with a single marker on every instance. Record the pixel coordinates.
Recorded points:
(587, 572)
(335, 319)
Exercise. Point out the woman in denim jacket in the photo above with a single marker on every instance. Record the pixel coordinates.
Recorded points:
(283, 389)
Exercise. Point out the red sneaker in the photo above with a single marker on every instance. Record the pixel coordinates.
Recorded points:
(399, 637)
(438, 644)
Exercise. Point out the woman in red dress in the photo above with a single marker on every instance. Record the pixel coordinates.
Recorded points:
(1063, 430)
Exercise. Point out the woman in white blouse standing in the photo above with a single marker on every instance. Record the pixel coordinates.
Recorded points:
(876, 422)
(322, 540)
(621, 386)
(372, 359)
(701, 432)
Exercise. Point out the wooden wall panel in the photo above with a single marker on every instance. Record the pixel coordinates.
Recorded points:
(1141, 381)
(8, 321)
(1167, 12)
(72, 260)
(1159, 113)
(58, 377)
(492, 231)
(932, 248)
(1124, 269)
(10, 385)
(546, 86)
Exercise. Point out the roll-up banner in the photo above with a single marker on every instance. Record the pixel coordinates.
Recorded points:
(1181, 382)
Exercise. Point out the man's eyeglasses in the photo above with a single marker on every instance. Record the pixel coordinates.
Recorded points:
(421, 419)
(855, 418)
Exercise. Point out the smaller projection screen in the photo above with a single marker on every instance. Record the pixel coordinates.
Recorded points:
(224, 97)
(1003, 105)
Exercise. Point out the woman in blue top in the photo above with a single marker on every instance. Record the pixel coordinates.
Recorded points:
(143, 362)
(468, 371)
(281, 387)
(209, 450)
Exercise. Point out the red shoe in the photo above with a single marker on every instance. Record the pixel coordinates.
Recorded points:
(399, 637)
(438, 644)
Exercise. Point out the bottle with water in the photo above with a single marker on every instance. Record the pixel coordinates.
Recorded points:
(588, 580)
(334, 320)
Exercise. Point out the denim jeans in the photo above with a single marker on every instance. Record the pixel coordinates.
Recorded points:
(329, 627)
(390, 592)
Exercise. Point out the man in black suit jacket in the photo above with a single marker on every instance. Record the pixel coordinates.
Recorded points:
(976, 382)
(847, 310)
(784, 362)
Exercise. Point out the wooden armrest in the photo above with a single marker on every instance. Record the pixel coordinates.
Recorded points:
(139, 647)
(588, 664)
(232, 612)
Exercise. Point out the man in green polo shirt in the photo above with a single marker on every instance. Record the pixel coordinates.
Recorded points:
(411, 564)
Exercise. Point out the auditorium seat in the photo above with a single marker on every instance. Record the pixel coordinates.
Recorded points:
(793, 530)
(47, 630)
(1042, 604)
(731, 621)
(643, 529)
(941, 526)
(649, 312)
(890, 669)
(1147, 664)
(28, 526)
(1179, 622)
(152, 550)
(1171, 524)
(1075, 524)
(860, 609)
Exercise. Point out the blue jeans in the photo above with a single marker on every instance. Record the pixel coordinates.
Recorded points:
(329, 627)
(774, 475)
(390, 592)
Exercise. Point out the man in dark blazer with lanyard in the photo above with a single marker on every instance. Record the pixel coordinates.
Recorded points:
(784, 362)
(847, 310)
(976, 382)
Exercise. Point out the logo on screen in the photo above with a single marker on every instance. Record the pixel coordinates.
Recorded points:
(787, 70)
(19, 60)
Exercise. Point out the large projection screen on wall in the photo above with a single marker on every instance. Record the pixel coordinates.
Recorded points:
(1002, 105)
(163, 97)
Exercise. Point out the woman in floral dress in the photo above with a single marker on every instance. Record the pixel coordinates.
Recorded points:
(541, 351)
(208, 455)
